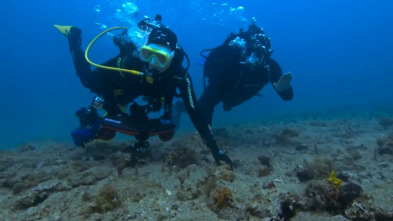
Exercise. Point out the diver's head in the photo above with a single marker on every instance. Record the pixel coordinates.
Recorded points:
(258, 45)
(163, 36)
(159, 49)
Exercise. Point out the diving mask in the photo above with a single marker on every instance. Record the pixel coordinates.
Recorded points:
(259, 55)
(159, 57)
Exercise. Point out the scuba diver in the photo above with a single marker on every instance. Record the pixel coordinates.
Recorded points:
(154, 73)
(237, 70)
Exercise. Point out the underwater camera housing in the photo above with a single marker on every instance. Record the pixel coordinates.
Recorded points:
(147, 24)
(124, 42)
(129, 40)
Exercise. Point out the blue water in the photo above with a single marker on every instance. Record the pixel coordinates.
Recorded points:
(340, 54)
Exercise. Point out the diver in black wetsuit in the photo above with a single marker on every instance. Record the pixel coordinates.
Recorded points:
(237, 70)
(160, 61)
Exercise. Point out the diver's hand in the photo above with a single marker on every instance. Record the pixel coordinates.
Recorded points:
(219, 155)
(87, 116)
(283, 83)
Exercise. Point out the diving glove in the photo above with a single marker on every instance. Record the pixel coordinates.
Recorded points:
(283, 83)
(219, 155)
(86, 116)
(72, 33)
(89, 125)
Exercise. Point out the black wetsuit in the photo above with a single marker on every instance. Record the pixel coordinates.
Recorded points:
(119, 88)
(232, 82)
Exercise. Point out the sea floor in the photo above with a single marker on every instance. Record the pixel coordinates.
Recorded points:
(294, 169)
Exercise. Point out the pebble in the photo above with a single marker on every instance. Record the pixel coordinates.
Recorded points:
(383, 165)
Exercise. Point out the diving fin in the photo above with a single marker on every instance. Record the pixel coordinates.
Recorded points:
(63, 29)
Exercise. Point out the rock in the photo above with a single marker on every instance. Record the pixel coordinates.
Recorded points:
(385, 150)
(31, 199)
(52, 186)
(25, 148)
(90, 176)
(304, 176)
(301, 147)
(348, 193)
(265, 160)
(383, 165)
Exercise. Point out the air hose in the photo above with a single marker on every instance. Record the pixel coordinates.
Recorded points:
(138, 73)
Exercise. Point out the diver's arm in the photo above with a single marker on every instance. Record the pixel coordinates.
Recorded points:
(281, 82)
(83, 70)
(99, 80)
(211, 96)
(190, 102)
(189, 99)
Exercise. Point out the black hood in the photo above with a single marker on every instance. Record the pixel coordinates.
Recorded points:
(163, 36)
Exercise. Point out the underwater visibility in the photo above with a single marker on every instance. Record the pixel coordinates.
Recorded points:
(196, 110)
